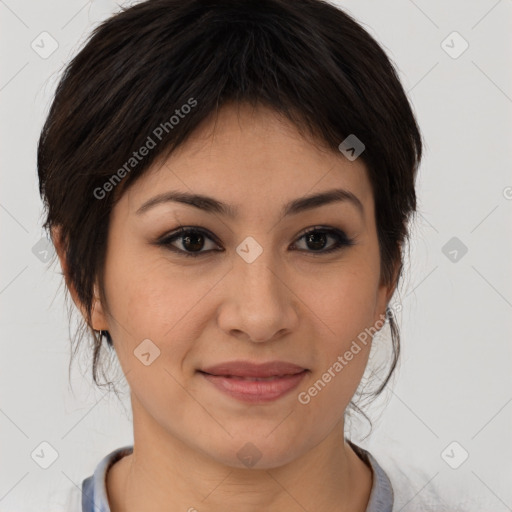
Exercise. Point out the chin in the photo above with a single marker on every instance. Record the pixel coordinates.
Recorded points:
(256, 452)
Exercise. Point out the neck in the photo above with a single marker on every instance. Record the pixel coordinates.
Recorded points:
(164, 474)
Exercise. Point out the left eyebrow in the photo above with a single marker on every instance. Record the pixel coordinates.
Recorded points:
(209, 204)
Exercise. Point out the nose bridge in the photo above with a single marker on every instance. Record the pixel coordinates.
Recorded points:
(260, 306)
(255, 272)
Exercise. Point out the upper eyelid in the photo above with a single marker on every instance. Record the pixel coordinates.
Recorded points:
(186, 229)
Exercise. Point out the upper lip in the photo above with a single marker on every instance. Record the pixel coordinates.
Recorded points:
(248, 369)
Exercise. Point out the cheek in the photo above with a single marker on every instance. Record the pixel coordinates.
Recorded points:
(343, 302)
(152, 296)
(342, 356)
(160, 302)
(342, 305)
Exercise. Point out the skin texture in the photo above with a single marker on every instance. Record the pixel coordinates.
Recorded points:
(290, 305)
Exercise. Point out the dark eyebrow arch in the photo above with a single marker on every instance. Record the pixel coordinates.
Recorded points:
(209, 204)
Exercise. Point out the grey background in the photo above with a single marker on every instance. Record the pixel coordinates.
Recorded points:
(454, 381)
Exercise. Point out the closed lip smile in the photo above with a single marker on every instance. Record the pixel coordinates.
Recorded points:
(255, 382)
(256, 370)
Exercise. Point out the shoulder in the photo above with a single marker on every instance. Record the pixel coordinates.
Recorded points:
(414, 489)
(89, 495)
(397, 482)
(418, 488)
(94, 488)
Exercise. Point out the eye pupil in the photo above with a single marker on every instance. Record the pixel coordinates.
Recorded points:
(195, 244)
(310, 238)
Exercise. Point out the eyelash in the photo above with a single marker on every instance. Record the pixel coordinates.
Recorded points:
(342, 240)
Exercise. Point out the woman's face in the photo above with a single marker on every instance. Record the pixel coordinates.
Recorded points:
(258, 290)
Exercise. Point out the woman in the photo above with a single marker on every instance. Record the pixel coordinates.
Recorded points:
(228, 186)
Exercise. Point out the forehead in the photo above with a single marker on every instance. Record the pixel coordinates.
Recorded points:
(250, 158)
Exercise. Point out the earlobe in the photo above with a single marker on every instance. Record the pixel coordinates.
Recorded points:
(98, 317)
(384, 297)
(383, 300)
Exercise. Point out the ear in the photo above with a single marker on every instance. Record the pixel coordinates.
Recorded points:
(384, 294)
(99, 321)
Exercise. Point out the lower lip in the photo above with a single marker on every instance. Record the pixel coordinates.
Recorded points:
(255, 391)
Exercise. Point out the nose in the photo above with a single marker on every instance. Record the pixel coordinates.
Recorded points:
(258, 303)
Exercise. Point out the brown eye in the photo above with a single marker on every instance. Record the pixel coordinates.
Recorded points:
(192, 241)
(317, 239)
